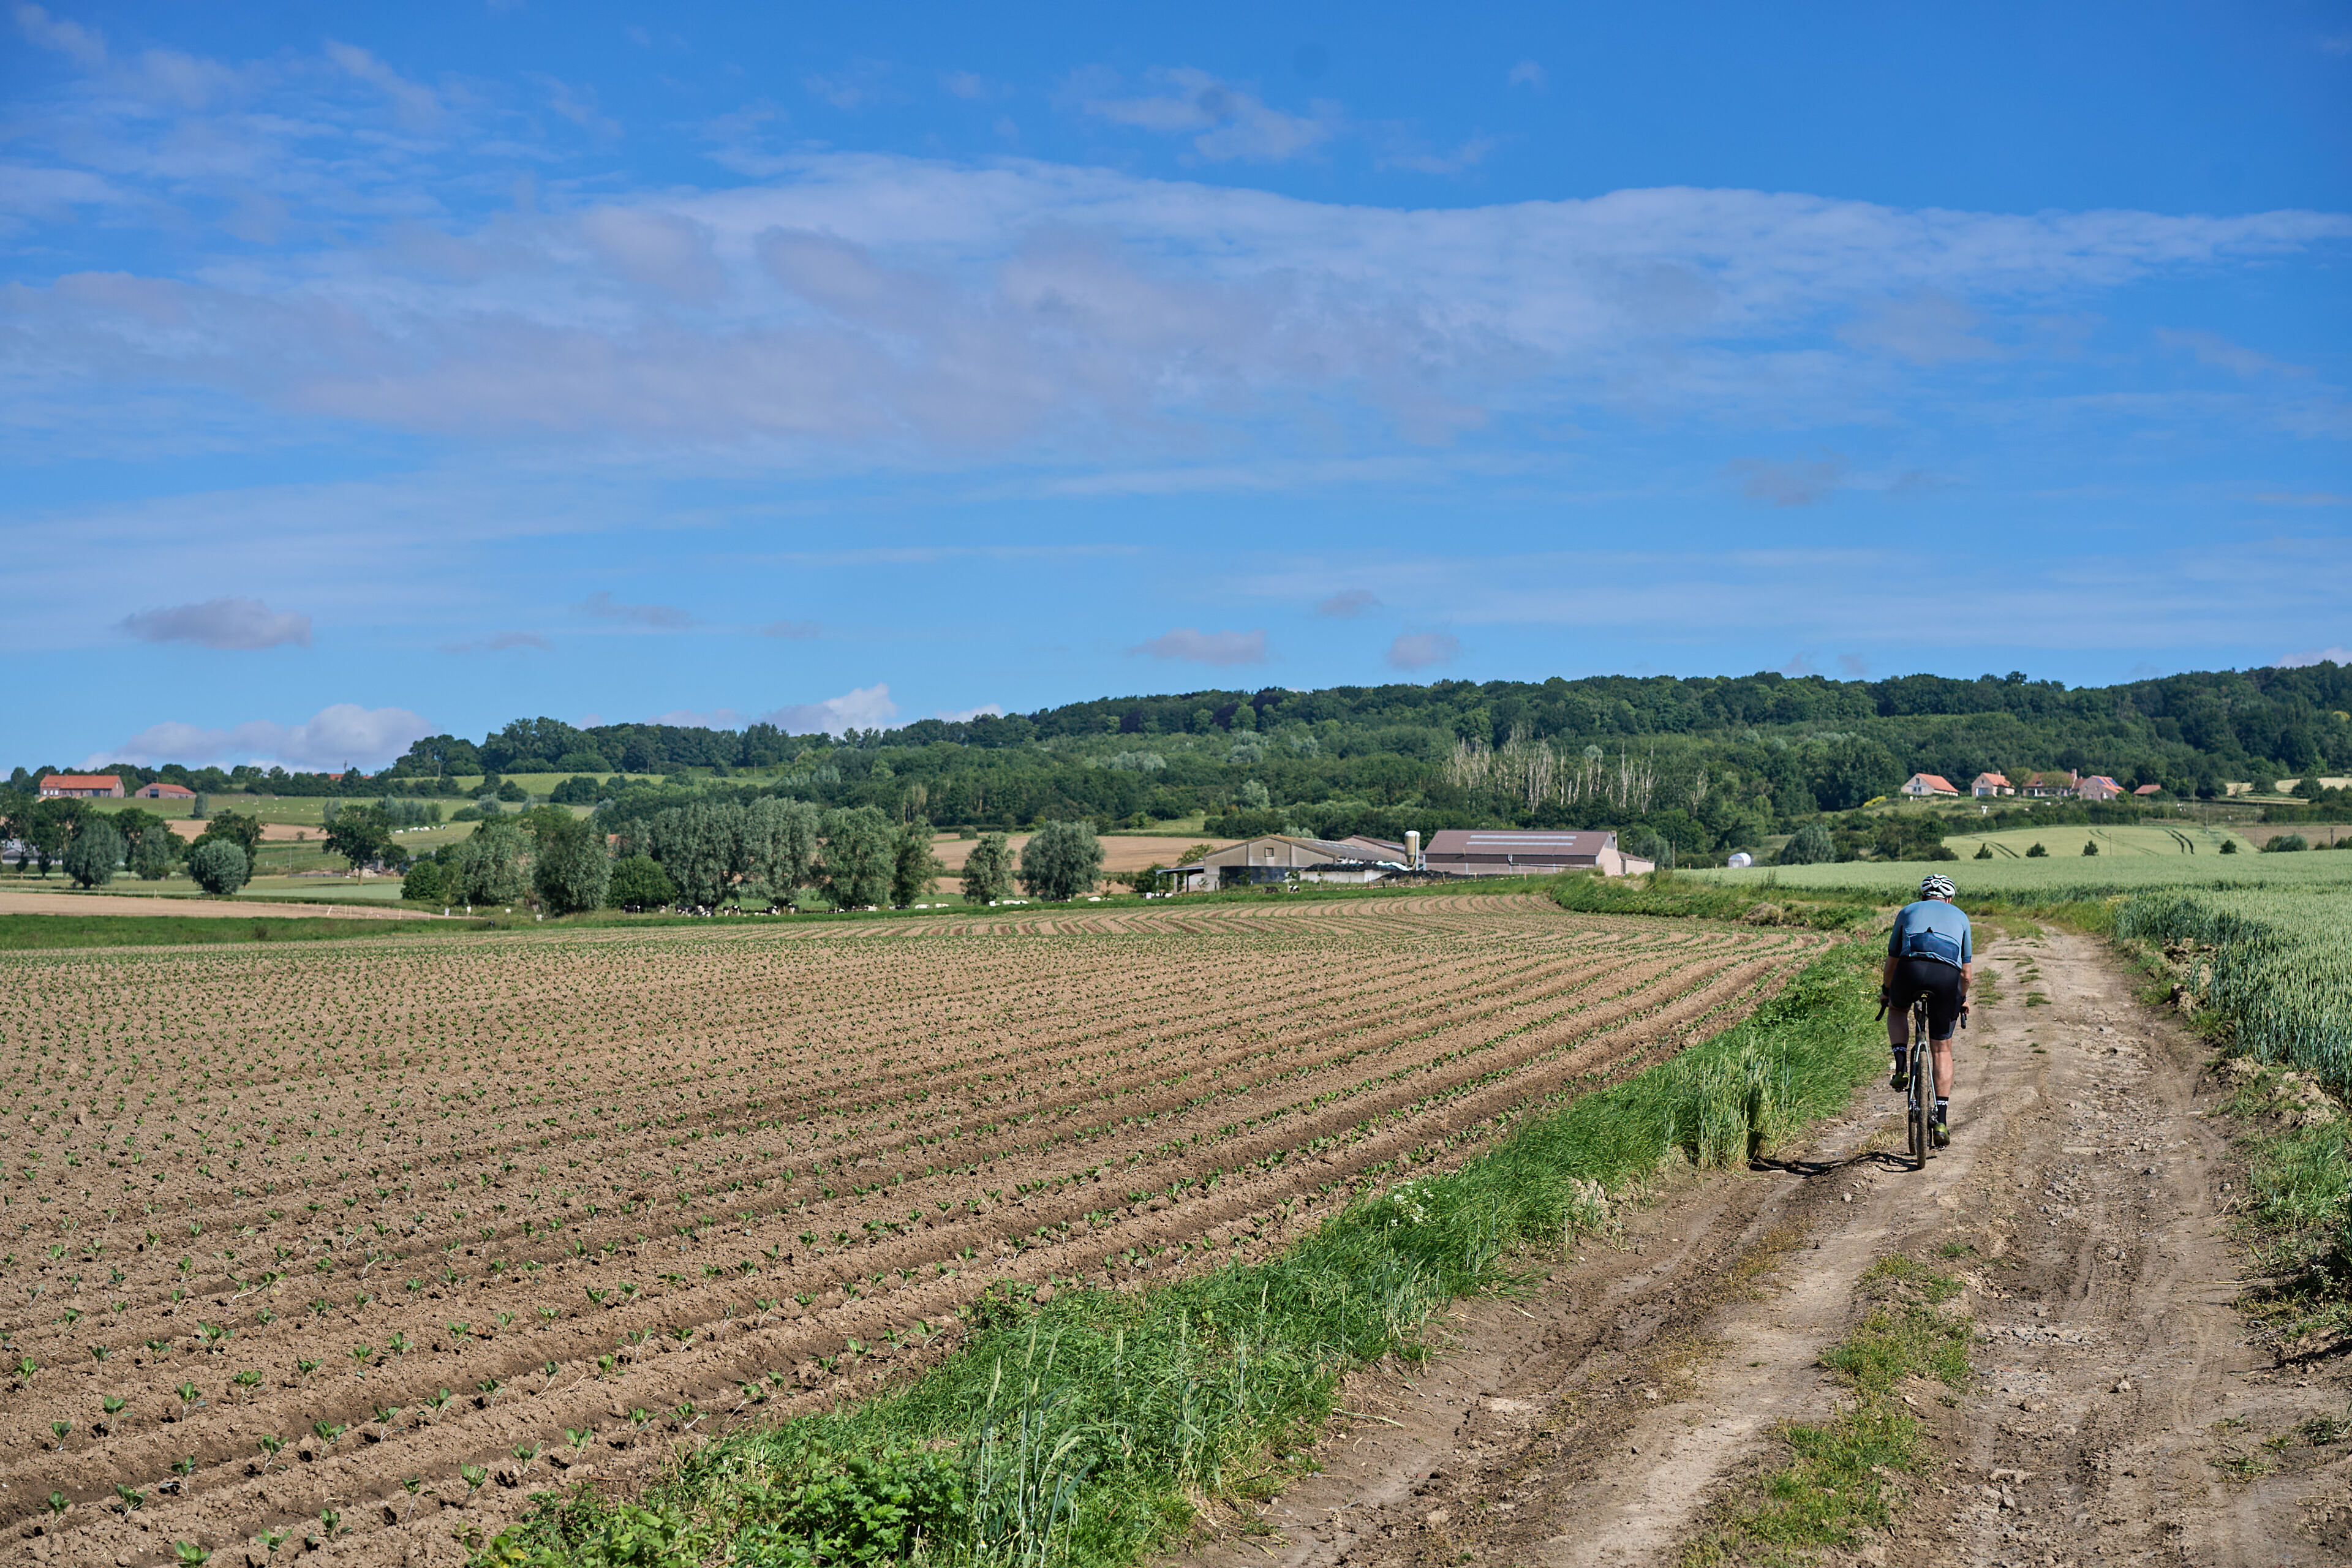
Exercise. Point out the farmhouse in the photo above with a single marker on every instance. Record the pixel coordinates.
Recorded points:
(161, 791)
(1919, 786)
(1284, 857)
(1985, 785)
(84, 786)
(2050, 786)
(2099, 786)
(1519, 852)
(2148, 792)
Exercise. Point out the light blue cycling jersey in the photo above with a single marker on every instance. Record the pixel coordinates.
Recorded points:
(1931, 928)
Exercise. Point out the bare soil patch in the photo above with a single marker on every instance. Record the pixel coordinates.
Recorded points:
(2120, 1412)
(566, 1192)
(15, 902)
(1121, 852)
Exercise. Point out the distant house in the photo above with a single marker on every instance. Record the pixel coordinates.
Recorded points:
(161, 791)
(1284, 857)
(2146, 791)
(1521, 852)
(1921, 786)
(2099, 786)
(1985, 785)
(2052, 786)
(83, 787)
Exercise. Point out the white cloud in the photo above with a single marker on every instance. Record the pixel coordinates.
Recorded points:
(2335, 654)
(1853, 666)
(1232, 121)
(1207, 648)
(1423, 651)
(1926, 327)
(239, 624)
(345, 732)
(966, 715)
(85, 47)
(865, 707)
(1526, 73)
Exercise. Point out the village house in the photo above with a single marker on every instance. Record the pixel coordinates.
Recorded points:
(1923, 786)
(2052, 786)
(2099, 786)
(1985, 785)
(83, 787)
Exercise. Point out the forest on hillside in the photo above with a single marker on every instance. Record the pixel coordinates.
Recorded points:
(1703, 763)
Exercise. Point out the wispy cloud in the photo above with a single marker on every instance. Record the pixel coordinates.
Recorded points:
(1229, 121)
(2212, 349)
(1529, 74)
(2335, 655)
(345, 732)
(84, 46)
(1798, 483)
(1423, 651)
(1348, 603)
(1207, 648)
(498, 642)
(237, 623)
(416, 105)
(602, 606)
(966, 715)
(796, 631)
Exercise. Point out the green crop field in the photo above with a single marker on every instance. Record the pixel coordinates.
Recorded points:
(2173, 838)
(2062, 875)
(2276, 962)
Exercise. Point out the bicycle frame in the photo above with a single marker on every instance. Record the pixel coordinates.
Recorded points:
(1921, 1114)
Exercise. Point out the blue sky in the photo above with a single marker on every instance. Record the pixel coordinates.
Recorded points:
(368, 371)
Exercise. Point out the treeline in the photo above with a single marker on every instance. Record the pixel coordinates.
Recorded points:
(1702, 764)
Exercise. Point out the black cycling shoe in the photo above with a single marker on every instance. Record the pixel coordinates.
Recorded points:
(1901, 1078)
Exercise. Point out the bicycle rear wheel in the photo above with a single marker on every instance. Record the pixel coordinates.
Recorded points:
(1922, 1068)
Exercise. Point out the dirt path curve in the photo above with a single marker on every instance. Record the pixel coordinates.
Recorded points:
(1597, 1420)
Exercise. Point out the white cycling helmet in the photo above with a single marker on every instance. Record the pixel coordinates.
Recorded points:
(1937, 888)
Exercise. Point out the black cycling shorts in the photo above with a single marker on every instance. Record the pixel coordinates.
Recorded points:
(1938, 983)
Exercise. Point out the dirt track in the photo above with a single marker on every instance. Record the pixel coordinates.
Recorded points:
(1597, 1421)
(583, 1179)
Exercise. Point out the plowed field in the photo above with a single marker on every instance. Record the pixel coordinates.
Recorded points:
(538, 1202)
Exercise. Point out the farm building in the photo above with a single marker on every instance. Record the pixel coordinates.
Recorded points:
(1985, 785)
(161, 791)
(1919, 786)
(1283, 857)
(85, 786)
(2050, 786)
(1522, 852)
(2148, 792)
(2099, 786)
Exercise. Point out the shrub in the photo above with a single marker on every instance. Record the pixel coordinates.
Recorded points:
(639, 883)
(219, 868)
(1984, 852)
(2038, 853)
(2090, 846)
(427, 882)
(1811, 845)
(2229, 847)
(91, 857)
(2286, 844)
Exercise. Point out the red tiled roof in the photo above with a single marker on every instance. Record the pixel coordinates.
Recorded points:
(83, 781)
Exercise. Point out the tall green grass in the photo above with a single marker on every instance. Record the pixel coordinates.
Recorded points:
(1091, 1428)
(2276, 964)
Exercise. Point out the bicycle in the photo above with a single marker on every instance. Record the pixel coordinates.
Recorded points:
(1920, 1118)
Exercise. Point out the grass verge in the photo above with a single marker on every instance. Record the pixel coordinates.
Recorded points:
(1095, 1427)
(1841, 1477)
(1663, 894)
(21, 933)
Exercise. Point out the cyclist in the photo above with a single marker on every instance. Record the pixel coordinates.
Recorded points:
(1929, 954)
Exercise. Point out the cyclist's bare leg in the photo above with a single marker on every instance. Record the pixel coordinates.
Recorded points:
(1898, 1027)
(1941, 1051)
